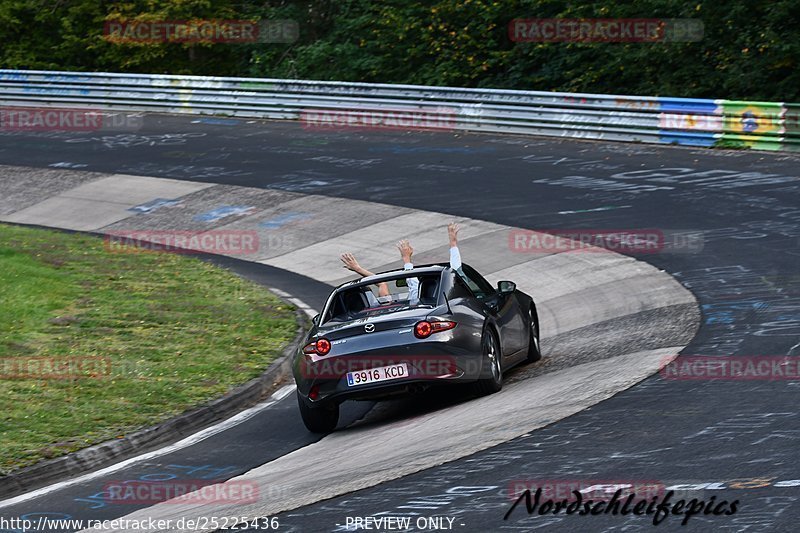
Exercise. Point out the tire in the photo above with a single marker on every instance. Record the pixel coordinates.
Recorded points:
(534, 347)
(319, 419)
(491, 356)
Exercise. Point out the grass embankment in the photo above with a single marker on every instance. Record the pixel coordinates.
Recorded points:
(94, 345)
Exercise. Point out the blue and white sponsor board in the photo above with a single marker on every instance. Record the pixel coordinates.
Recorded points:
(690, 121)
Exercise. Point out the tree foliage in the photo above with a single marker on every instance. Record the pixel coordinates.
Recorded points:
(750, 49)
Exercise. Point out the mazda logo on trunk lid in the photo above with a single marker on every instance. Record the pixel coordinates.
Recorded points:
(369, 328)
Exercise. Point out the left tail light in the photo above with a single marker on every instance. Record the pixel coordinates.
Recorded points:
(319, 347)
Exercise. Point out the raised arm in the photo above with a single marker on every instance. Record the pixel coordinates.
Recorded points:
(350, 263)
(455, 255)
(406, 251)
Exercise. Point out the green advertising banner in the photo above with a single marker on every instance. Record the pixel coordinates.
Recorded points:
(757, 125)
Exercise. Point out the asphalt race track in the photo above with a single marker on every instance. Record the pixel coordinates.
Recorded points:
(729, 439)
(600, 339)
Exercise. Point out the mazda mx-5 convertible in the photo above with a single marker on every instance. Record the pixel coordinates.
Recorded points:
(403, 331)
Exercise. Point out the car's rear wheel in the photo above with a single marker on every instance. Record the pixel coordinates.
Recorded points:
(534, 348)
(319, 419)
(493, 382)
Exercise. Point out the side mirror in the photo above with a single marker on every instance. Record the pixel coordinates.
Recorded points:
(506, 287)
(315, 320)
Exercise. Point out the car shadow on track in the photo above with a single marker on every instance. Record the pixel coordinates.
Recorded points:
(405, 410)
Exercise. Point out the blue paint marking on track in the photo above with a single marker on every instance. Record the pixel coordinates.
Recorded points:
(725, 312)
(153, 205)
(225, 211)
(216, 121)
(283, 220)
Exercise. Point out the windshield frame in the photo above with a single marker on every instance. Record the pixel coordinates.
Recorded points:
(374, 280)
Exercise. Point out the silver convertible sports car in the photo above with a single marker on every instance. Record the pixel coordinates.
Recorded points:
(403, 331)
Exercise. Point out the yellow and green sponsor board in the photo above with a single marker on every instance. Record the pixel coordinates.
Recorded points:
(757, 125)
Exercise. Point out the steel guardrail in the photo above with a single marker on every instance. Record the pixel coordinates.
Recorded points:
(649, 119)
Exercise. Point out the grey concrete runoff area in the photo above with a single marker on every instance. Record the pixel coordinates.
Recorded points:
(574, 291)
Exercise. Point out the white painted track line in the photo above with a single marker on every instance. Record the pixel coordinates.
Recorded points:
(277, 396)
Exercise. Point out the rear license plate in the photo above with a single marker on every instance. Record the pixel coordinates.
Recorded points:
(373, 375)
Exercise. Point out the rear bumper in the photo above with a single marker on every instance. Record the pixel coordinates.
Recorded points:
(428, 364)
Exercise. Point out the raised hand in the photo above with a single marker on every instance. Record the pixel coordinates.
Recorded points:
(406, 251)
(350, 263)
(452, 233)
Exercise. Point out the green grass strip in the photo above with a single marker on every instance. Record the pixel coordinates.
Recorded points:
(94, 345)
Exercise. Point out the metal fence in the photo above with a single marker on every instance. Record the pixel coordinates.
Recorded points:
(687, 121)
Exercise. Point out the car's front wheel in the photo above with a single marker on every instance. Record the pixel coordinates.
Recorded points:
(493, 382)
(319, 419)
